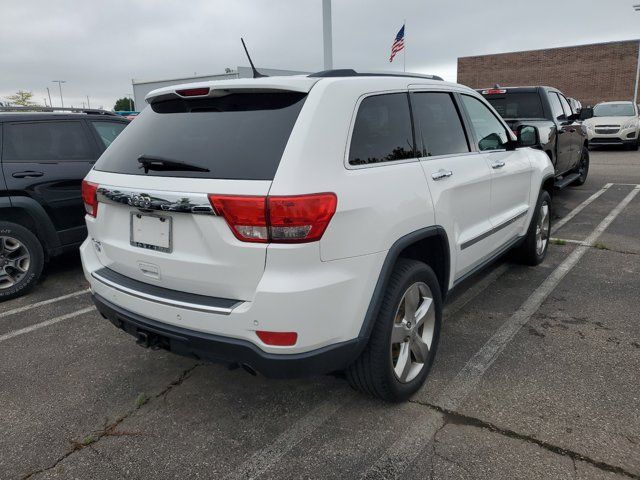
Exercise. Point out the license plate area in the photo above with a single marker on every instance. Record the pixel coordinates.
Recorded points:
(153, 232)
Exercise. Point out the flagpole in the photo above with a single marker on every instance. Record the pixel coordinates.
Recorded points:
(404, 50)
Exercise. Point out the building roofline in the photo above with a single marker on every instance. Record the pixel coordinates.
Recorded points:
(636, 40)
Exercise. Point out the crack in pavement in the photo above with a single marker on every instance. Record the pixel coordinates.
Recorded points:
(110, 429)
(454, 418)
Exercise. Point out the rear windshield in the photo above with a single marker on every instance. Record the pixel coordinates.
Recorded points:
(517, 105)
(238, 136)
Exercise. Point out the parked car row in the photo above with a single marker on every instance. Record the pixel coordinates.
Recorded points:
(565, 130)
(559, 128)
(294, 225)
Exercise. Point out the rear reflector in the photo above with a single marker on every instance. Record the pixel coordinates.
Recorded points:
(90, 198)
(193, 92)
(279, 339)
(276, 219)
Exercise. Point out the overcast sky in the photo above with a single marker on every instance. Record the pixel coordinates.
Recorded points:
(99, 46)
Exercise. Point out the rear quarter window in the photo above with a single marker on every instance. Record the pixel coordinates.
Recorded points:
(382, 131)
(238, 136)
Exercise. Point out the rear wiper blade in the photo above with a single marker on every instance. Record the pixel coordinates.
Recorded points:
(151, 162)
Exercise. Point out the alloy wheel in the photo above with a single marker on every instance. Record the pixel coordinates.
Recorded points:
(412, 334)
(543, 228)
(14, 261)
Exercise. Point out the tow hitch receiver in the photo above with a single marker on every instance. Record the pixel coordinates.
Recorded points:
(151, 340)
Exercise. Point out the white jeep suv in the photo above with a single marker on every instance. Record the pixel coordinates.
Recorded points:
(307, 225)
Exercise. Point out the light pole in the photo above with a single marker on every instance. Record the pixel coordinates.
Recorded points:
(60, 82)
(327, 34)
(130, 102)
(635, 90)
(49, 95)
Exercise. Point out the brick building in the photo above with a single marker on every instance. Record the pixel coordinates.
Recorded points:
(589, 73)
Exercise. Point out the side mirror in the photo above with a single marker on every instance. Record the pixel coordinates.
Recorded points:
(586, 113)
(528, 136)
(573, 117)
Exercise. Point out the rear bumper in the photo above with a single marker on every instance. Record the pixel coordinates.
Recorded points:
(226, 350)
(323, 302)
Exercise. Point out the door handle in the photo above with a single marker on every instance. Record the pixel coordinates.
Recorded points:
(440, 174)
(27, 174)
(495, 165)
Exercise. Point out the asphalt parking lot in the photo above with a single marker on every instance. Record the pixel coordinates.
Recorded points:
(537, 376)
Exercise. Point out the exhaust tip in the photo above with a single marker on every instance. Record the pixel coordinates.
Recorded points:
(249, 369)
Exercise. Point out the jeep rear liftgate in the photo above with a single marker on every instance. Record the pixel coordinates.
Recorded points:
(158, 224)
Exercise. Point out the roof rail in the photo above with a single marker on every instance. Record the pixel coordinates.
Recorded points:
(89, 111)
(349, 72)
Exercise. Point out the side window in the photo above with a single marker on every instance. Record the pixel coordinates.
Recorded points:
(45, 141)
(438, 126)
(490, 132)
(382, 130)
(565, 106)
(556, 106)
(108, 131)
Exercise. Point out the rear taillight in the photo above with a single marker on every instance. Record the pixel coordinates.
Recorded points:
(90, 197)
(277, 219)
(301, 218)
(246, 215)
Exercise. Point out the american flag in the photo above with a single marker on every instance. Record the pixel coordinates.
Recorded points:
(398, 44)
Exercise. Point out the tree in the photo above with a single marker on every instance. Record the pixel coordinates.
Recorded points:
(21, 98)
(122, 104)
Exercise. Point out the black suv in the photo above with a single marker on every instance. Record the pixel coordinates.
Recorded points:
(559, 129)
(44, 157)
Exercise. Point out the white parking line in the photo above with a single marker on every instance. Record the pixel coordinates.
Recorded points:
(46, 323)
(560, 223)
(43, 302)
(471, 374)
(406, 449)
(263, 459)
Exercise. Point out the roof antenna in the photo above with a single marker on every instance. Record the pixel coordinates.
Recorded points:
(256, 73)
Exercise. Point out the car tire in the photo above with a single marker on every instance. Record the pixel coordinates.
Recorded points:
(536, 243)
(395, 362)
(21, 260)
(583, 168)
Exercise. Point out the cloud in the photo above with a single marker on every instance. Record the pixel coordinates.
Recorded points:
(98, 47)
